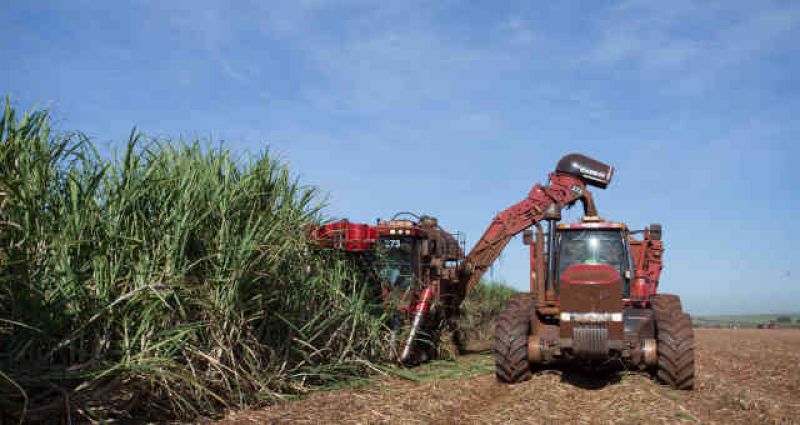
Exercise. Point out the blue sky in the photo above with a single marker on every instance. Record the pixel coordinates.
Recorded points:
(457, 109)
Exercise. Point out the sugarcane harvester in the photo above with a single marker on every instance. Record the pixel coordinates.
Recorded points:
(593, 286)
(416, 263)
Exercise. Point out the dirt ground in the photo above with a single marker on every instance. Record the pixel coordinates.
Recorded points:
(743, 377)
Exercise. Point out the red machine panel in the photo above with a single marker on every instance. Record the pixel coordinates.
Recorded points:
(345, 235)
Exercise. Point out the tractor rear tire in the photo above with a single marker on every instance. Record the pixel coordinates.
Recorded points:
(522, 304)
(675, 350)
(665, 303)
(520, 301)
(511, 347)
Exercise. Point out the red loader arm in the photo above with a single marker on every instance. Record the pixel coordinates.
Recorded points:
(563, 190)
(567, 185)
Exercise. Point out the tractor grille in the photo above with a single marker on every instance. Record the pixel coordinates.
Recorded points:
(590, 342)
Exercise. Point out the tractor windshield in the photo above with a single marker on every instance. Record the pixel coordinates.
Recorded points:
(396, 258)
(591, 247)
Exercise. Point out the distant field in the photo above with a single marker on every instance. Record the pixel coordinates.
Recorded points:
(747, 319)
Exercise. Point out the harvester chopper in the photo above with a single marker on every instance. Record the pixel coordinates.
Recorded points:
(593, 285)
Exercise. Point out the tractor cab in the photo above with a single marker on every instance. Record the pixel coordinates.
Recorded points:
(592, 252)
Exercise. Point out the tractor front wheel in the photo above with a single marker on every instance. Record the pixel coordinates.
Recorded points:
(511, 347)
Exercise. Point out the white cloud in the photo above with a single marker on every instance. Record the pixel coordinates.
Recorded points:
(688, 44)
(519, 31)
(207, 22)
(388, 60)
(229, 71)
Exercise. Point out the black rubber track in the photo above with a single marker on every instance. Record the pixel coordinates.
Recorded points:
(675, 350)
(511, 347)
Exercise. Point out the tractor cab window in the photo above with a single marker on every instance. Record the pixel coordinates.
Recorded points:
(592, 247)
(396, 261)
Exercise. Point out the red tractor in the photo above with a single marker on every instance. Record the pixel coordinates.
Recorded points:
(593, 286)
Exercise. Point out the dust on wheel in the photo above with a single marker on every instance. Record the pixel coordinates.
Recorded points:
(511, 347)
(675, 350)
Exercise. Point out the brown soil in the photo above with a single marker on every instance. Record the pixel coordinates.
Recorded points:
(743, 376)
